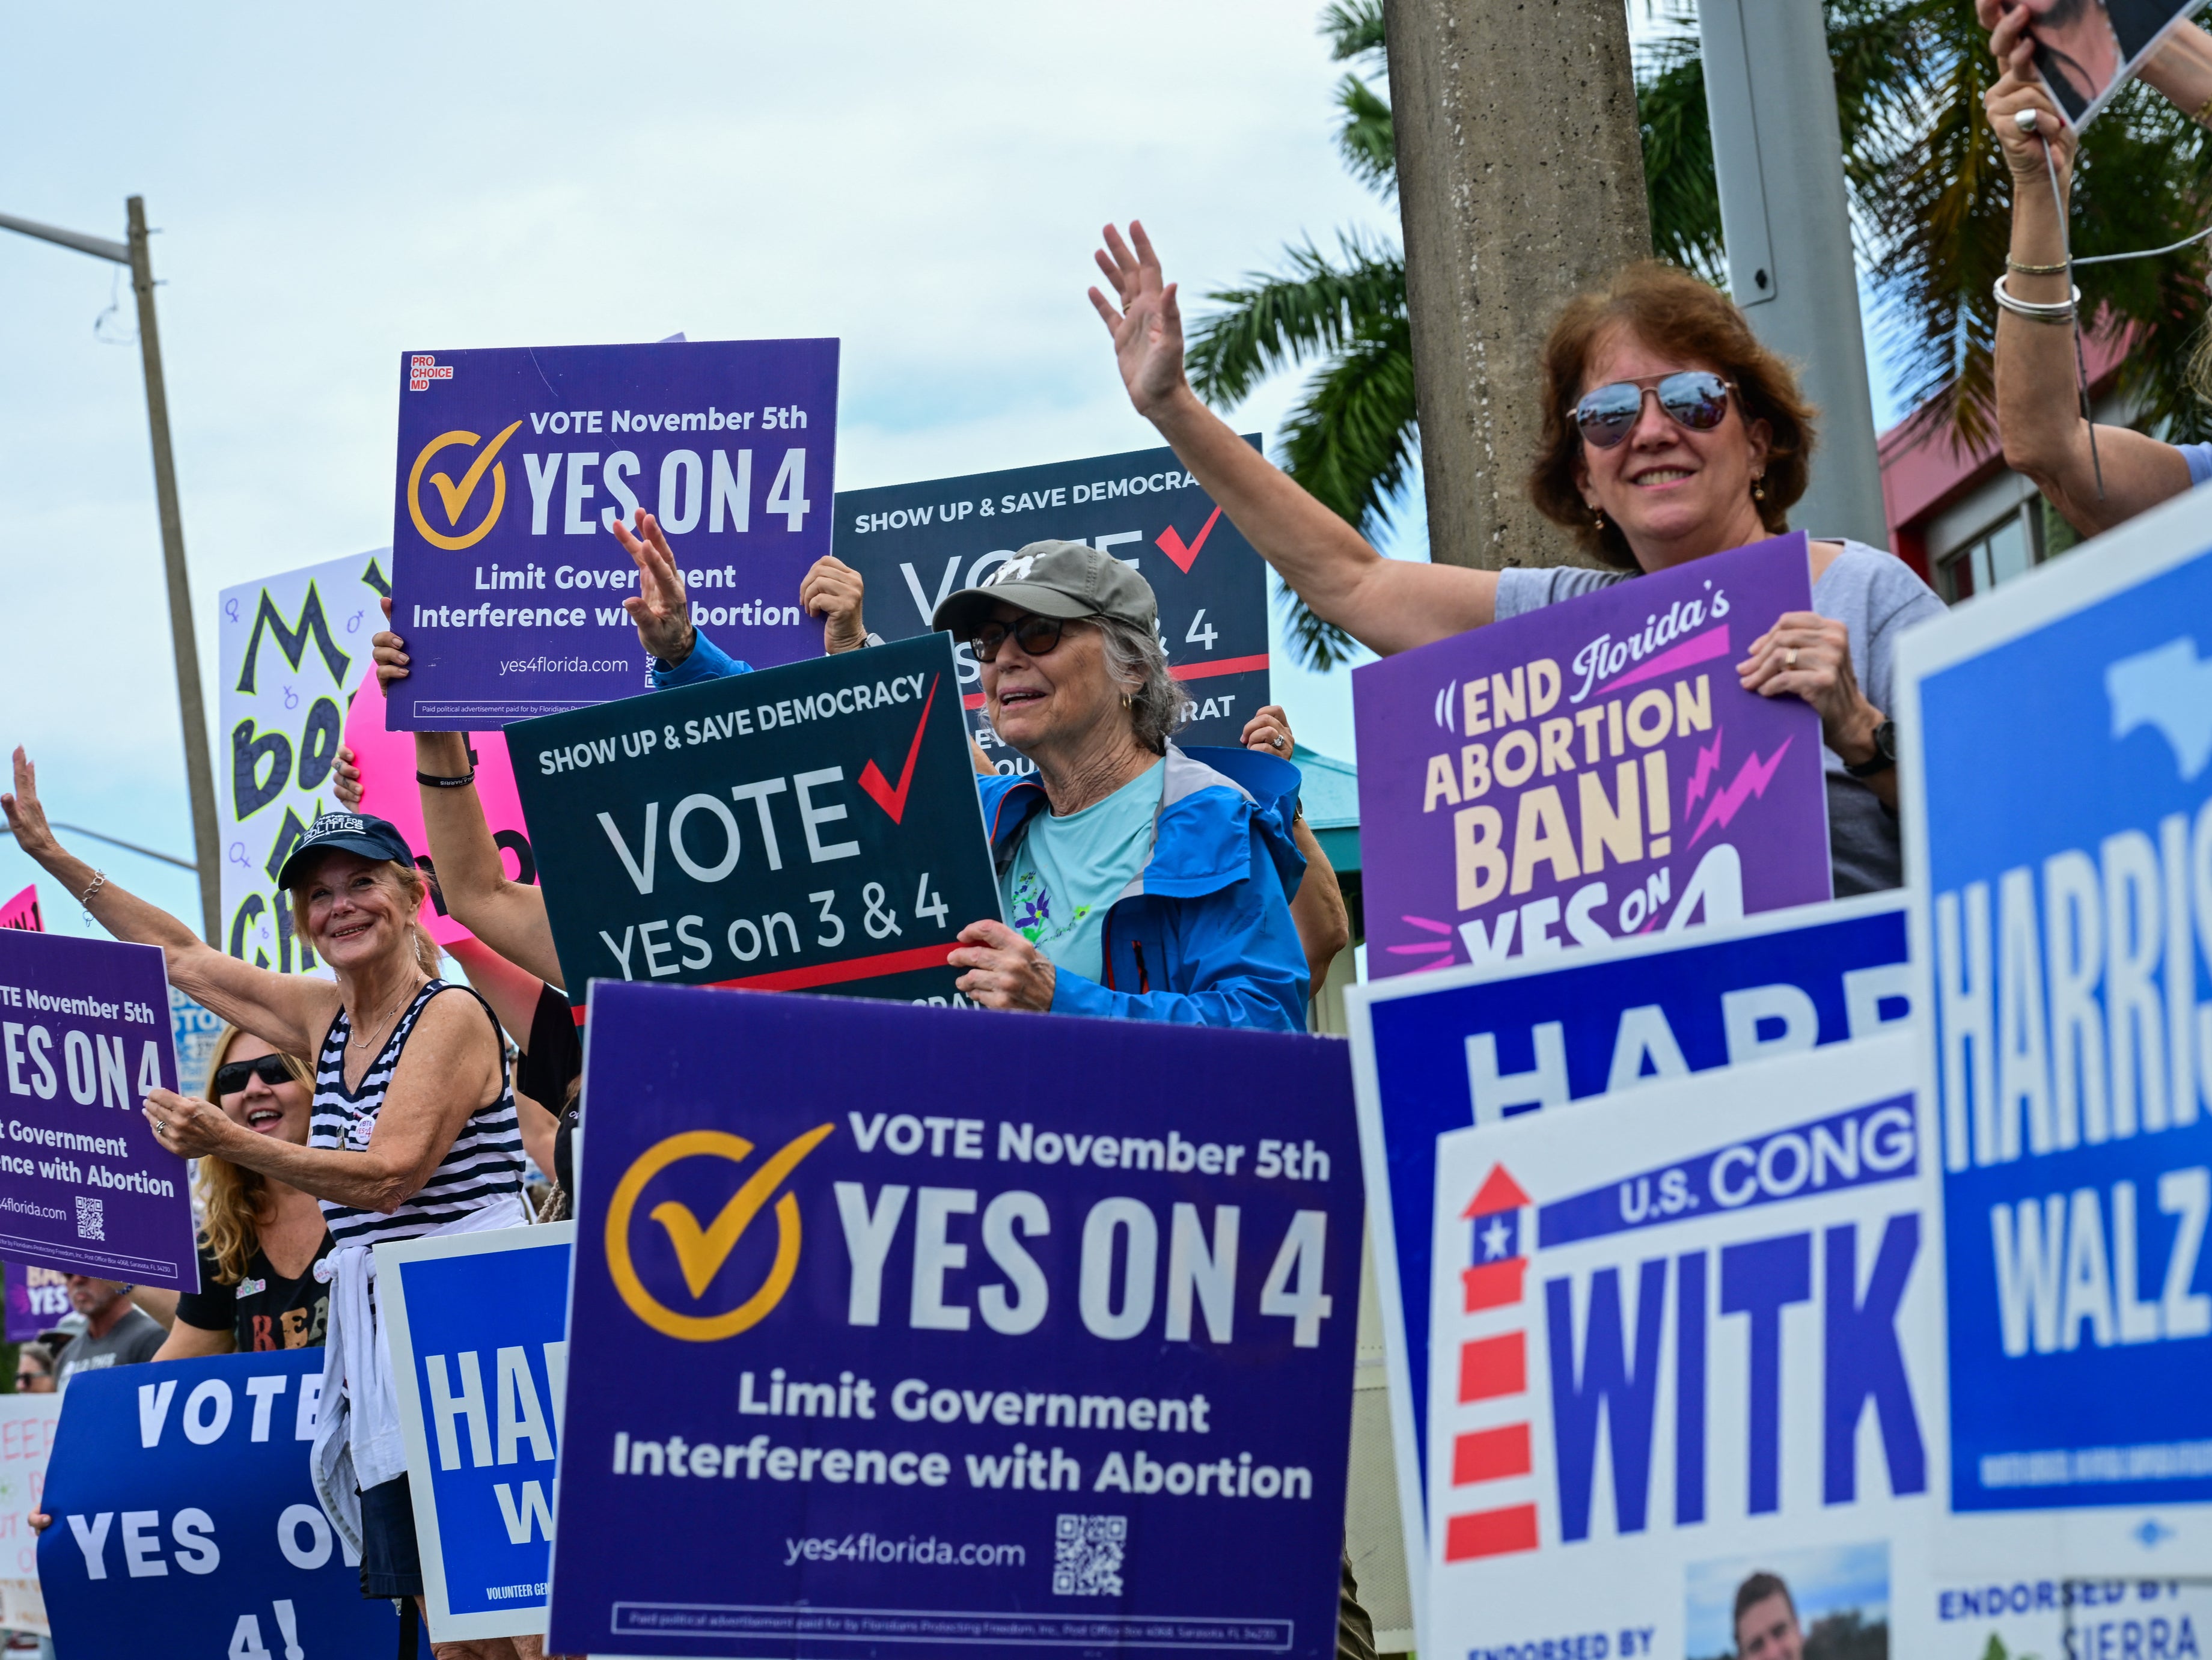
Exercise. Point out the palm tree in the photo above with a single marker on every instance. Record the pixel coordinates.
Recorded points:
(1930, 199)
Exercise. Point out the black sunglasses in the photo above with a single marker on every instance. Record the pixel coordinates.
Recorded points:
(1695, 398)
(233, 1078)
(1035, 636)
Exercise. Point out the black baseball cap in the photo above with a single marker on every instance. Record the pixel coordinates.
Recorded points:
(345, 832)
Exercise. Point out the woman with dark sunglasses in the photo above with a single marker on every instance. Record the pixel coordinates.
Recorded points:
(260, 1237)
(1669, 433)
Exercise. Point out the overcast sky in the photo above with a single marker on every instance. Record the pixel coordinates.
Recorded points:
(331, 188)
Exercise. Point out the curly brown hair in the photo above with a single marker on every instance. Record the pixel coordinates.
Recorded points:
(1671, 311)
(234, 1201)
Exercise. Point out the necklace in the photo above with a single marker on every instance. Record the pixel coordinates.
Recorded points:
(359, 1043)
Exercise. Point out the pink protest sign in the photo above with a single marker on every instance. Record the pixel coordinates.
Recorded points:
(22, 911)
(387, 760)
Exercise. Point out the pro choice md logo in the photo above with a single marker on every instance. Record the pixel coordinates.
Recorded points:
(700, 1252)
(453, 499)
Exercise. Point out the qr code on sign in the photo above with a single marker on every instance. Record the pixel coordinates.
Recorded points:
(1086, 1559)
(91, 1218)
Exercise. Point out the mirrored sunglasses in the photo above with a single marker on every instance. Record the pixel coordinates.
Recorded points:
(1695, 398)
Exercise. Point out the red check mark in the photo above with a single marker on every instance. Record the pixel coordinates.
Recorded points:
(1170, 544)
(893, 801)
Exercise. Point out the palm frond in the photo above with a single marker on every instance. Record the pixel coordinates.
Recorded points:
(1354, 29)
(1316, 307)
(1365, 138)
(1678, 168)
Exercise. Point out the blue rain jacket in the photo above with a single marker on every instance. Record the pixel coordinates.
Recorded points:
(1202, 935)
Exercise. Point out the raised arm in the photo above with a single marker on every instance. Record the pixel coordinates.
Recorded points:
(450, 1067)
(1386, 604)
(508, 917)
(285, 1011)
(1317, 908)
(2039, 398)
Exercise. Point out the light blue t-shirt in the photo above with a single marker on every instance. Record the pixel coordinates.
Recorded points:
(2199, 457)
(1066, 872)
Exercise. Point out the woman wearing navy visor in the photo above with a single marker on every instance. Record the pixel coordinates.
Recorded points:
(413, 1132)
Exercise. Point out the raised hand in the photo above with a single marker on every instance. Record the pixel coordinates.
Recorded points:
(2020, 88)
(1269, 731)
(345, 779)
(389, 652)
(26, 815)
(1147, 326)
(659, 608)
(832, 591)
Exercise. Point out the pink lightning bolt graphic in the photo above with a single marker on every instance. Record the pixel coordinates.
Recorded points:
(1751, 781)
(1708, 767)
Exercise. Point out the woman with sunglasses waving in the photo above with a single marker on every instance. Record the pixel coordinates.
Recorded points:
(1669, 433)
(1141, 884)
(261, 1236)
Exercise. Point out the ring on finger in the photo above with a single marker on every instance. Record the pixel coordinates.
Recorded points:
(1789, 659)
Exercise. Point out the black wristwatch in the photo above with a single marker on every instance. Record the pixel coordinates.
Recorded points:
(1885, 753)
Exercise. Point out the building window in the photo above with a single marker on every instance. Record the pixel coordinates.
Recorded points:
(2007, 548)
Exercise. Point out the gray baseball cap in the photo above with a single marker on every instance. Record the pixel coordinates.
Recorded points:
(1066, 580)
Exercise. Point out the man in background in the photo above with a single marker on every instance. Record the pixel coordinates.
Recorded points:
(115, 1332)
(1767, 1620)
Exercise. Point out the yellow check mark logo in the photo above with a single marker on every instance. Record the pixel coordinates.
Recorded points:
(700, 1252)
(455, 497)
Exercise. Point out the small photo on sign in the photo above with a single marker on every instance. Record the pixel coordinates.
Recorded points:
(2085, 49)
(1827, 1604)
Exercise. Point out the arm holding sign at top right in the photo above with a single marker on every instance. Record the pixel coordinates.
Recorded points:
(2039, 400)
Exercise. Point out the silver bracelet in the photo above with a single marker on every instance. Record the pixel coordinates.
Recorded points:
(99, 881)
(2043, 311)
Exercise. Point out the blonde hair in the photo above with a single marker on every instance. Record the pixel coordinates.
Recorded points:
(234, 1201)
(410, 881)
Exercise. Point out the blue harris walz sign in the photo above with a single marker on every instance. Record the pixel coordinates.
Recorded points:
(182, 1506)
(876, 1352)
(479, 1334)
(2059, 735)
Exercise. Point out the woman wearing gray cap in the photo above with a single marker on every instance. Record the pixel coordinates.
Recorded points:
(414, 1128)
(1141, 884)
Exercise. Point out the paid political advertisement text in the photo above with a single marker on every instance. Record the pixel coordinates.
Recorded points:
(2058, 736)
(915, 544)
(1435, 1053)
(810, 828)
(182, 1507)
(1589, 771)
(478, 1329)
(84, 1186)
(1686, 1369)
(925, 1332)
(514, 463)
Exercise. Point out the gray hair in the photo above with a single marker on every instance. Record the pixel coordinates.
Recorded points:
(1138, 663)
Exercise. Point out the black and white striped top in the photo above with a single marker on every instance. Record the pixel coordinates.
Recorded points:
(484, 1161)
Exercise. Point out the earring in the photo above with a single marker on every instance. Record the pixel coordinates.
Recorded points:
(1759, 488)
(1127, 701)
(1597, 518)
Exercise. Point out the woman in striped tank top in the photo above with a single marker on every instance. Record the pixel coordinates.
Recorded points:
(413, 1130)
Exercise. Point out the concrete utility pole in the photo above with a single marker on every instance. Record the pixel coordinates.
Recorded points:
(1521, 183)
(1778, 154)
(199, 772)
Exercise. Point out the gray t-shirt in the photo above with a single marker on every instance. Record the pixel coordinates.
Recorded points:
(132, 1339)
(1874, 595)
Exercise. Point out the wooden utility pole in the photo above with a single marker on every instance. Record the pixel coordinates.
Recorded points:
(199, 772)
(1521, 183)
